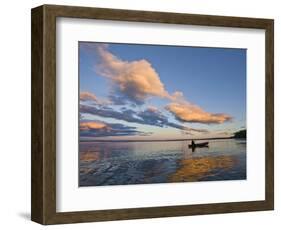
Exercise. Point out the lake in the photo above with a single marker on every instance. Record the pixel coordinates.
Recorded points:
(123, 163)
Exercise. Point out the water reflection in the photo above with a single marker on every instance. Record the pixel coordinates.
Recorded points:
(89, 156)
(160, 162)
(196, 169)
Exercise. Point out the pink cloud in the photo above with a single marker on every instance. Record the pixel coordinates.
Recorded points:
(87, 96)
(186, 112)
(136, 80)
(102, 129)
(92, 125)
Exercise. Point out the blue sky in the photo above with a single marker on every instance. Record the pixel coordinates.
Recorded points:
(142, 80)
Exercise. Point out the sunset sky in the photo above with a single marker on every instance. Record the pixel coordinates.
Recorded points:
(138, 92)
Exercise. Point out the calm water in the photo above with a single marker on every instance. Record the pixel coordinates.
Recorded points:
(109, 163)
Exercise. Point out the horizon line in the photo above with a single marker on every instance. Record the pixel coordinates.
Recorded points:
(160, 140)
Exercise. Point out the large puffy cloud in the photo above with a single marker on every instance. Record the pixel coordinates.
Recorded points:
(133, 81)
(150, 116)
(102, 129)
(186, 112)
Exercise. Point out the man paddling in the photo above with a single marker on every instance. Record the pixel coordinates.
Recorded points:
(192, 143)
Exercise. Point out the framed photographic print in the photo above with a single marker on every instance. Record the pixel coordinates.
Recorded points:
(141, 114)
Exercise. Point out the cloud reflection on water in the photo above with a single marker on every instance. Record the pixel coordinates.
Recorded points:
(196, 169)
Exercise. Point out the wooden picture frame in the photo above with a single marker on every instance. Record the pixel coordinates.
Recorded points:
(43, 208)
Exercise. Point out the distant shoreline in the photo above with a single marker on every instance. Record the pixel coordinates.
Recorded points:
(163, 140)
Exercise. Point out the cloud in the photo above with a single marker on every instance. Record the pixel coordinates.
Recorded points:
(102, 129)
(90, 97)
(177, 96)
(186, 112)
(187, 129)
(133, 81)
(92, 125)
(126, 115)
(153, 116)
(150, 116)
(87, 96)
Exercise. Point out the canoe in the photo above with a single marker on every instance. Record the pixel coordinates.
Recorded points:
(199, 145)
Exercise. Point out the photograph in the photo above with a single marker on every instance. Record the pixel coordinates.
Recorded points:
(141, 114)
(161, 114)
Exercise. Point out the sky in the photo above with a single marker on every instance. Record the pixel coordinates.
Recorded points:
(140, 92)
